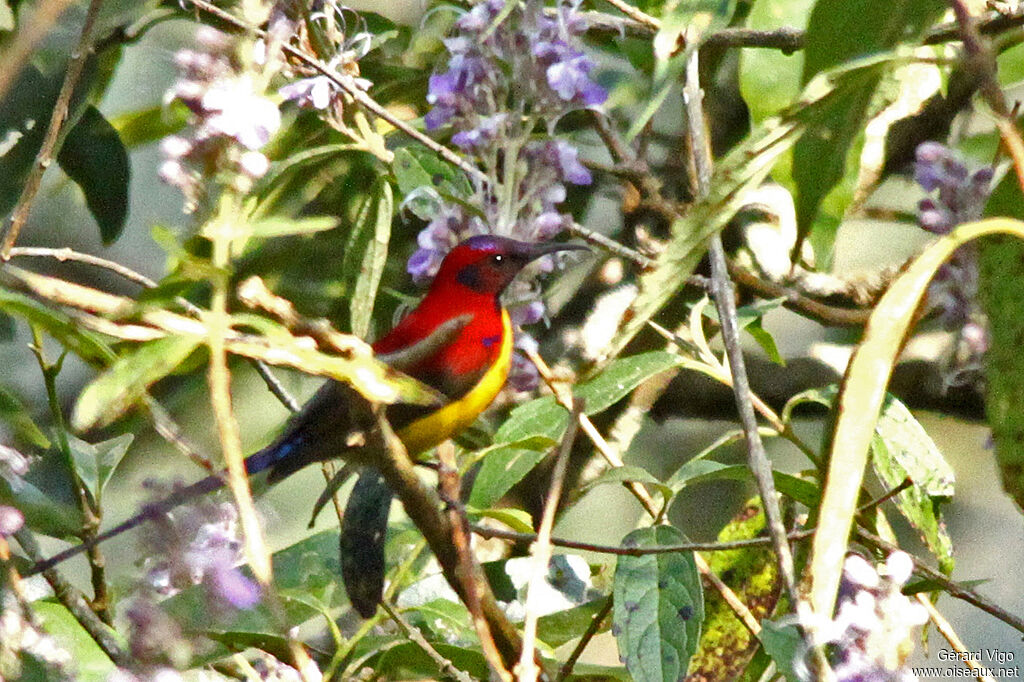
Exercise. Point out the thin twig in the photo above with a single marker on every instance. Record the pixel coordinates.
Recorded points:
(636, 14)
(48, 149)
(588, 634)
(450, 487)
(417, 638)
(954, 589)
(540, 549)
(947, 631)
(731, 599)
(722, 293)
(75, 602)
(617, 550)
(275, 386)
(67, 254)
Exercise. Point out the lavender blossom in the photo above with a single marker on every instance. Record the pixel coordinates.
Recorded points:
(11, 520)
(13, 466)
(493, 119)
(961, 194)
(231, 119)
(199, 544)
(871, 636)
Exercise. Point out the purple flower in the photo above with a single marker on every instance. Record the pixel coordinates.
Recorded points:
(316, 92)
(567, 159)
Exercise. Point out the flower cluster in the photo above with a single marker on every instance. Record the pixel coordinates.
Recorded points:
(199, 544)
(494, 117)
(871, 636)
(956, 196)
(961, 194)
(231, 119)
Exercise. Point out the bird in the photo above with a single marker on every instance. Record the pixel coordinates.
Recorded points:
(467, 368)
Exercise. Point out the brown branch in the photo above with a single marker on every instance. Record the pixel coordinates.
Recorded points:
(450, 486)
(48, 149)
(424, 508)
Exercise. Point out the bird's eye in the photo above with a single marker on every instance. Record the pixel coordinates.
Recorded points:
(497, 259)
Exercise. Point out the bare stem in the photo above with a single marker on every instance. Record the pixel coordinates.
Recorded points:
(723, 294)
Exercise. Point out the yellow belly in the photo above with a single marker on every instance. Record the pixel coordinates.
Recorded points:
(457, 416)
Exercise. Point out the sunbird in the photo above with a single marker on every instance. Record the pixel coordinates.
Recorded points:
(468, 370)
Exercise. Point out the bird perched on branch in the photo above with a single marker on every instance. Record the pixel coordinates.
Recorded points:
(458, 341)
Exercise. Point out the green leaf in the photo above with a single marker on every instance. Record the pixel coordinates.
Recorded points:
(417, 169)
(85, 344)
(281, 226)
(518, 520)
(89, 661)
(770, 79)
(24, 112)
(785, 645)
(115, 390)
(659, 607)
(501, 469)
(825, 396)
(902, 449)
(743, 169)
(95, 462)
(820, 156)
(145, 126)
(93, 156)
(1001, 265)
(505, 466)
(555, 629)
(863, 395)
(366, 255)
(407, 661)
(16, 416)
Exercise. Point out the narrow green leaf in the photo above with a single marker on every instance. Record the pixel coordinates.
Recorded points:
(416, 167)
(744, 168)
(659, 607)
(502, 469)
(555, 629)
(629, 473)
(770, 79)
(145, 126)
(507, 464)
(85, 344)
(15, 415)
(825, 396)
(518, 520)
(110, 394)
(862, 396)
(89, 662)
(902, 449)
(280, 226)
(366, 255)
(46, 497)
(95, 158)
